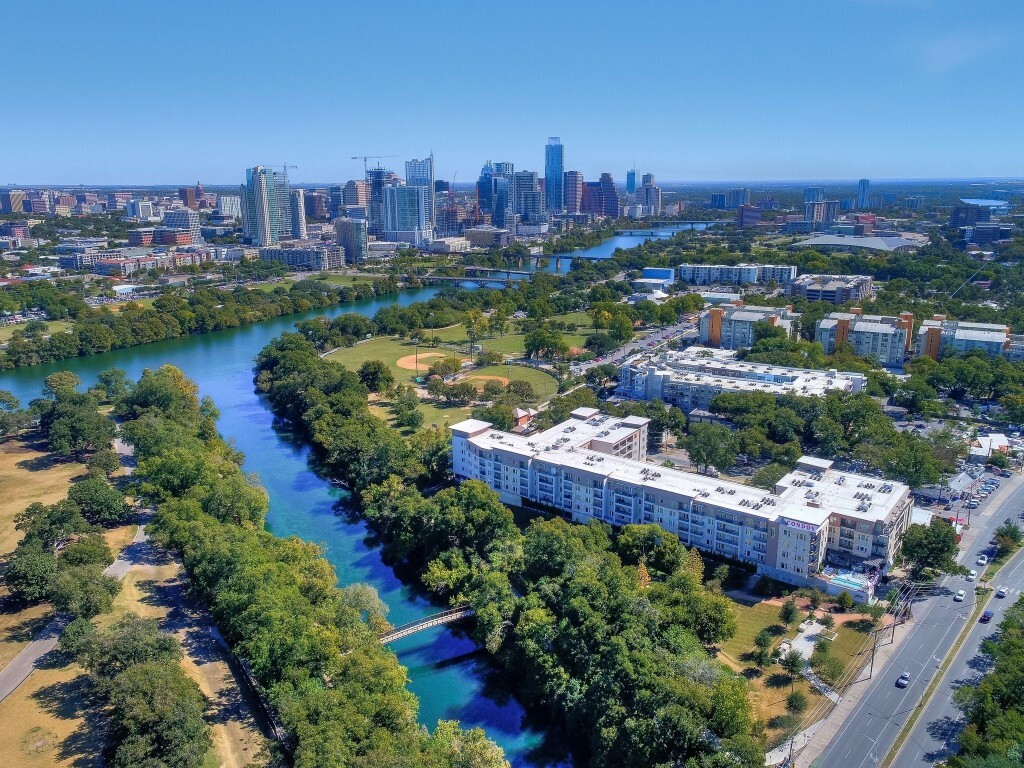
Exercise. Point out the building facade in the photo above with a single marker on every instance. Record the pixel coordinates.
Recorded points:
(297, 213)
(940, 336)
(554, 168)
(316, 257)
(731, 326)
(835, 289)
(352, 238)
(266, 206)
(592, 467)
(887, 339)
(735, 274)
(573, 190)
(420, 173)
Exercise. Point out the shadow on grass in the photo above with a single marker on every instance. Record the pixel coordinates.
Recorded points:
(70, 700)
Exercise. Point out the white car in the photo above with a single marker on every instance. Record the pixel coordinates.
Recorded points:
(1003, 592)
(959, 596)
(972, 575)
(982, 560)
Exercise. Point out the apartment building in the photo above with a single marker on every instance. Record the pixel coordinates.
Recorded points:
(693, 377)
(887, 339)
(591, 467)
(731, 326)
(735, 274)
(937, 336)
(835, 289)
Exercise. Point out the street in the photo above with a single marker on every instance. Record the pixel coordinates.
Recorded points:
(871, 729)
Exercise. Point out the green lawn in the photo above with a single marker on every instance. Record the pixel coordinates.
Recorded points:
(544, 384)
(55, 326)
(512, 343)
(349, 279)
(388, 351)
(750, 619)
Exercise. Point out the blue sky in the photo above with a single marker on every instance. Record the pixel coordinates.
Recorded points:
(116, 92)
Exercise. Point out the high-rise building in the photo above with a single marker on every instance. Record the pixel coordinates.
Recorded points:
(528, 201)
(554, 168)
(648, 194)
(573, 189)
(420, 173)
(737, 197)
(336, 200)
(592, 199)
(821, 212)
(609, 196)
(503, 204)
(184, 219)
(631, 181)
(376, 180)
(351, 234)
(356, 194)
(814, 195)
(266, 207)
(719, 200)
(140, 209)
(316, 205)
(485, 188)
(298, 213)
(230, 205)
(12, 201)
(863, 188)
(188, 197)
(405, 214)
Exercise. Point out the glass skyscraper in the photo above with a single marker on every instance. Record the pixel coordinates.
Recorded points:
(266, 206)
(420, 173)
(554, 167)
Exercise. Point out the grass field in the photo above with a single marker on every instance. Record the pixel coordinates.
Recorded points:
(349, 279)
(389, 351)
(512, 343)
(55, 326)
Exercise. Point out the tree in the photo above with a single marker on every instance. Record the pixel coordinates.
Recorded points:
(711, 445)
(376, 376)
(793, 663)
(789, 613)
(767, 476)
(30, 571)
(796, 703)
(1008, 538)
(104, 462)
(845, 601)
(83, 590)
(12, 418)
(493, 390)
(99, 502)
(620, 328)
(521, 390)
(60, 384)
(827, 621)
(930, 548)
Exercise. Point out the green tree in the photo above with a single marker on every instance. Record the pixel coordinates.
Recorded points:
(796, 703)
(930, 548)
(376, 376)
(792, 663)
(789, 613)
(60, 384)
(104, 462)
(711, 445)
(99, 502)
(83, 590)
(767, 476)
(30, 571)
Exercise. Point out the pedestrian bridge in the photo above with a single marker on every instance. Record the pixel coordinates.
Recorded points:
(445, 617)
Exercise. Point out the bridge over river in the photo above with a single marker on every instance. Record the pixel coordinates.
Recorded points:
(436, 620)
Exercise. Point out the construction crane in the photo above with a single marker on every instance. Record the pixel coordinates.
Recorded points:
(364, 158)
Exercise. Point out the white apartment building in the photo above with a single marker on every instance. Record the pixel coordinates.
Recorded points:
(592, 467)
(937, 336)
(735, 274)
(887, 339)
(692, 378)
(731, 326)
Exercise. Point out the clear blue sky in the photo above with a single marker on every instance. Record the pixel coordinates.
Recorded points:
(116, 92)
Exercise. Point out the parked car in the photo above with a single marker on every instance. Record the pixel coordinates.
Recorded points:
(982, 560)
(1003, 592)
(959, 596)
(986, 617)
(903, 680)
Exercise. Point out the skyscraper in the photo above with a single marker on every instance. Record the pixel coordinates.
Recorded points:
(609, 196)
(631, 181)
(648, 194)
(554, 168)
(185, 219)
(485, 188)
(573, 186)
(405, 214)
(230, 205)
(12, 201)
(503, 204)
(420, 173)
(336, 203)
(814, 195)
(356, 194)
(266, 207)
(863, 188)
(188, 197)
(298, 214)
(528, 202)
(351, 234)
(376, 179)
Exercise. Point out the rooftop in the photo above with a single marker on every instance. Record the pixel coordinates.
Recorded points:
(869, 242)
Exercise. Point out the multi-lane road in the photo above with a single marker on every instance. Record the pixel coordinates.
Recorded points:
(871, 729)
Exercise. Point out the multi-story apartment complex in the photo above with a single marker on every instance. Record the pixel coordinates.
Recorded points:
(735, 274)
(297, 213)
(573, 191)
(12, 200)
(405, 215)
(266, 206)
(692, 378)
(731, 326)
(938, 336)
(420, 173)
(835, 289)
(316, 257)
(887, 339)
(821, 212)
(592, 467)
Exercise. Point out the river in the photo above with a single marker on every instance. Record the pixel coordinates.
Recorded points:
(447, 672)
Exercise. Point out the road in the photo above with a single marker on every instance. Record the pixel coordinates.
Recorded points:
(871, 729)
(934, 735)
(660, 338)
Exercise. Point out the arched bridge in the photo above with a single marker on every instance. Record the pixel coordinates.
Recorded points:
(445, 617)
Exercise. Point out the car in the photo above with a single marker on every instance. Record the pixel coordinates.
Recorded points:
(1006, 473)
(903, 680)
(948, 507)
(972, 575)
(983, 494)
(1003, 592)
(971, 505)
(959, 596)
(986, 617)
(982, 560)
